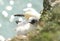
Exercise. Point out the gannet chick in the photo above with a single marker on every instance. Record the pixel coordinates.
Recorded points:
(32, 17)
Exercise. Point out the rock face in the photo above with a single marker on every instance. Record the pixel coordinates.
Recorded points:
(48, 4)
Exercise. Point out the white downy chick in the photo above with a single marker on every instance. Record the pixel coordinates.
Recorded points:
(24, 27)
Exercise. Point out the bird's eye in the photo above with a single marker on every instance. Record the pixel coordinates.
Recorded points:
(33, 21)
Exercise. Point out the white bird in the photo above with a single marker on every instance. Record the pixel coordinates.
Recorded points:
(32, 17)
